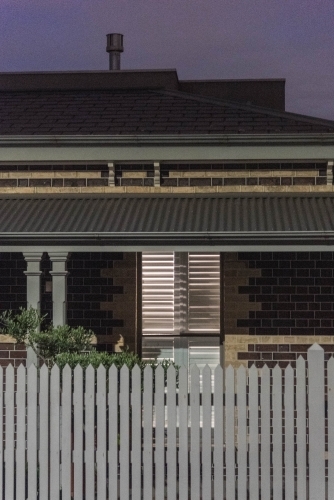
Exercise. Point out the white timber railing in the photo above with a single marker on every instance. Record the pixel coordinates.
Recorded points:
(244, 434)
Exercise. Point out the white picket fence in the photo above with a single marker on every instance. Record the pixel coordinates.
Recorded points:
(253, 434)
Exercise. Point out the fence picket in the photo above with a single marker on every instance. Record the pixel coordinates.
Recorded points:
(78, 432)
(253, 432)
(54, 433)
(265, 434)
(194, 433)
(183, 434)
(44, 432)
(159, 452)
(136, 426)
(9, 441)
(121, 427)
(171, 433)
(218, 447)
(124, 454)
(229, 433)
(316, 367)
(101, 433)
(301, 428)
(32, 431)
(90, 432)
(20, 433)
(147, 426)
(289, 454)
(330, 375)
(242, 433)
(66, 434)
(206, 434)
(2, 461)
(277, 434)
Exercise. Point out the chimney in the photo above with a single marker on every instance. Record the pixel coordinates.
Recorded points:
(114, 47)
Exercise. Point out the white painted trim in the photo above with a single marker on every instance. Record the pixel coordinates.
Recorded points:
(176, 248)
(156, 148)
(59, 286)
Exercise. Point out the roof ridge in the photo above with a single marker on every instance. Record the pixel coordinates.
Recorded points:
(246, 107)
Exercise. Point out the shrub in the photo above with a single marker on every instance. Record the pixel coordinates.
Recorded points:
(26, 327)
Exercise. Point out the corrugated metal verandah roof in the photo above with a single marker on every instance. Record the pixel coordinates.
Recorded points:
(168, 219)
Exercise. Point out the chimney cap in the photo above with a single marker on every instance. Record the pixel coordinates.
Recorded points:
(114, 42)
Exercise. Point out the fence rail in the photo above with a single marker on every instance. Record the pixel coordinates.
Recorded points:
(97, 434)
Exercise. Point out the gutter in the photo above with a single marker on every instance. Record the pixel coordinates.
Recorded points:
(167, 140)
(287, 238)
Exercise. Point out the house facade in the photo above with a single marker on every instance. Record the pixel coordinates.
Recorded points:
(189, 220)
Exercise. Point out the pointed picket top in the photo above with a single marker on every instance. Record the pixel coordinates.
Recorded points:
(171, 374)
(77, 370)
(67, 370)
(136, 371)
(241, 369)
(159, 371)
(218, 370)
(265, 370)
(206, 371)
(113, 371)
(289, 370)
(10, 370)
(147, 369)
(21, 369)
(90, 371)
(44, 370)
(32, 369)
(229, 370)
(54, 370)
(101, 369)
(253, 369)
(300, 361)
(315, 347)
(277, 370)
(195, 371)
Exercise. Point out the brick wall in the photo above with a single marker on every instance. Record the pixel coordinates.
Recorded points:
(101, 296)
(271, 350)
(174, 178)
(244, 174)
(282, 294)
(13, 293)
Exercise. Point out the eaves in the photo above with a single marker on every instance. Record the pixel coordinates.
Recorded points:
(167, 148)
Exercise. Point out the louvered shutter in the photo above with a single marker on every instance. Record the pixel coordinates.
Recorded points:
(157, 293)
(204, 292)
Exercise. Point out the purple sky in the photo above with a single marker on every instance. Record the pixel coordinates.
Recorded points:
(290, 39)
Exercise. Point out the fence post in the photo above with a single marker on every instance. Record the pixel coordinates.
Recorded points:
(316, 403)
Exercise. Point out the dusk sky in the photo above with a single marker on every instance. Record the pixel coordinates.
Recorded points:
(202, 39)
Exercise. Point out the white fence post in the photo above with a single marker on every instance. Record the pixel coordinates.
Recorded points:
(136, 427)
(316, 400)
(66, 433)
(32, 431)
(330, 375)
(54, 433)
(101, 433)
(44, 415)
(147, 425)
(301, 428)
(171, 433)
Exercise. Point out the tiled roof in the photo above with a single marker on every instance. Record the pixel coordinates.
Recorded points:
(131, 111)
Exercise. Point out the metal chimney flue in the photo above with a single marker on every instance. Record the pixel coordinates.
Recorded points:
(115, 48)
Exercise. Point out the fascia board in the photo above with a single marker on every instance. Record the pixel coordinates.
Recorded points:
(166, 148)
(262, 240)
